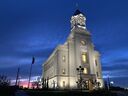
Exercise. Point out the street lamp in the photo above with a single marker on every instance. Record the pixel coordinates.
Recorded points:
(80, 70)
(108, 83)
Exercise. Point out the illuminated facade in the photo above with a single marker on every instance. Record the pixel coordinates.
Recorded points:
(61, 67)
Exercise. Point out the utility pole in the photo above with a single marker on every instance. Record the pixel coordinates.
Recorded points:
(108, 82)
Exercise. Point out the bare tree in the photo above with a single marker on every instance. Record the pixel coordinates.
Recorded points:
(4, 81)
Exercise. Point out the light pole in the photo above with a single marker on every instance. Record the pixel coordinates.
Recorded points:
(80, 70)
(111, 83)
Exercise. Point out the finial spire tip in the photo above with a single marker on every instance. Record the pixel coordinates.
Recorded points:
(77, 5)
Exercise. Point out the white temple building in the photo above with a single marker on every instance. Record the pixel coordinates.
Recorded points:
(76, 63)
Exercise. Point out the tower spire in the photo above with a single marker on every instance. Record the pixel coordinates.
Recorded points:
(77, 6)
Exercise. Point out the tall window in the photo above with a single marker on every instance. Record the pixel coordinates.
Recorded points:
(63, 84)
(84, 57)
(63, 58)
(97, 74)
(96, 62)
(63, 71)
(85, 71)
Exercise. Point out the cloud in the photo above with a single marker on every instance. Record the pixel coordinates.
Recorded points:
(120, 64)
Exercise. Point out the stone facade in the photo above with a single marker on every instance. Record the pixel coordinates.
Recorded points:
(63, 68)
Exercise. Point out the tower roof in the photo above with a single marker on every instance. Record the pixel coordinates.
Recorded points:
(77, 12)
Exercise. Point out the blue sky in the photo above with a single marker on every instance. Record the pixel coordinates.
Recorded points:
(35, 27)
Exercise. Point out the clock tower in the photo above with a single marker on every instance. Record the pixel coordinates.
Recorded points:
(83, 54)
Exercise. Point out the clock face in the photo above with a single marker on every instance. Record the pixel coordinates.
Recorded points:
(83, 43)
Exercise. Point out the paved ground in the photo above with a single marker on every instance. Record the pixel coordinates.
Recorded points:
(121, 93)
(21, 93)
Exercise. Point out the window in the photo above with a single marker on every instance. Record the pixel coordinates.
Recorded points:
(83, 43)
(84, 57)
(63, 71)
(97, 74)
(63, 58)
(96, 62)
(85, 71)
(63, 84)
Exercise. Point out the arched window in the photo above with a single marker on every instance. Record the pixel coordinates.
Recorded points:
(85, 71)
(84, 57)
(63, 71)
(63, 58)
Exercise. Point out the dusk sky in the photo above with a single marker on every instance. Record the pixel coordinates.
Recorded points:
(35, 27)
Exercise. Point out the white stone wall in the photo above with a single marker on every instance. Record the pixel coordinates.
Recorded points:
(53, 82)
(50, 67)
(98, 68)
